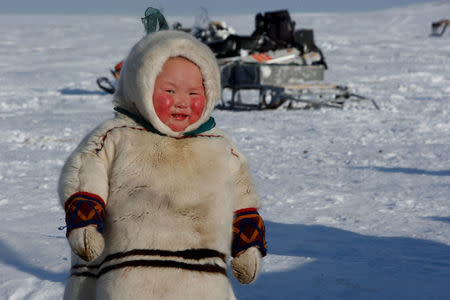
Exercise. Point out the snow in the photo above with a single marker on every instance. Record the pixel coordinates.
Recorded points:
(356, 201)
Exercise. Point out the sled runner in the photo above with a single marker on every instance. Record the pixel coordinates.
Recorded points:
(291, 86)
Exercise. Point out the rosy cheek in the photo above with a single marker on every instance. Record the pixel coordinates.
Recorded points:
(197, 106)
(162, 103)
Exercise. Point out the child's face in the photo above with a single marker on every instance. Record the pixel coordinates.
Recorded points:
(179, 95)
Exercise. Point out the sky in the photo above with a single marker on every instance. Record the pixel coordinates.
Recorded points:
(181, 8)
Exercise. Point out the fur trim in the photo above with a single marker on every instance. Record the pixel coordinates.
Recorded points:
(145, 62)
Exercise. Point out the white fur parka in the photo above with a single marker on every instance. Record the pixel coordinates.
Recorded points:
(162, 202)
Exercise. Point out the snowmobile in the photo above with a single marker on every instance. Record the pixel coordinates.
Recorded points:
(283, 64)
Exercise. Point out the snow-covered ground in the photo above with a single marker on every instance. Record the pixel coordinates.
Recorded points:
(356, 201)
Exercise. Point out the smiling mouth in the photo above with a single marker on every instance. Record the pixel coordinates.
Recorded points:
(180, 117)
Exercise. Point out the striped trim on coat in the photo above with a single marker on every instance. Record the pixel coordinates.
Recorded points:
(201, 260)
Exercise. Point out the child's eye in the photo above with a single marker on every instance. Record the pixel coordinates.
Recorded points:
(169, 91)
(195, 92)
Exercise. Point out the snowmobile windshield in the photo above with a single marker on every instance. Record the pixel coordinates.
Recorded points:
(153, 18)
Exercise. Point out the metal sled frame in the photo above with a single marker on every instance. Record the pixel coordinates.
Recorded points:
(311, 95)
(292, 86)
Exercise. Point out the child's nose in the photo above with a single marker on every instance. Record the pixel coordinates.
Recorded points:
(182, 101)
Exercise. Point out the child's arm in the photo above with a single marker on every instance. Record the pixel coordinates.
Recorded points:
(83, 190)
(249, 244)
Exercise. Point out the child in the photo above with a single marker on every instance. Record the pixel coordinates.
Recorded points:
(158, 198)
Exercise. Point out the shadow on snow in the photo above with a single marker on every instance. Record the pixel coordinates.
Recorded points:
(440, 219)
(9, 256)
(409, 171)
(342, 265)
(347, 265)
(68, 91)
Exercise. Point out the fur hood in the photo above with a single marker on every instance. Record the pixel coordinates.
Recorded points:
(145, 62)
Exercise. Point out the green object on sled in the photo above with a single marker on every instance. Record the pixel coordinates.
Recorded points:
(153, 18)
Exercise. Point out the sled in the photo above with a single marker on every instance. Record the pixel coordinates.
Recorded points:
(282, 64)
(312, 95)
(438, 28)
